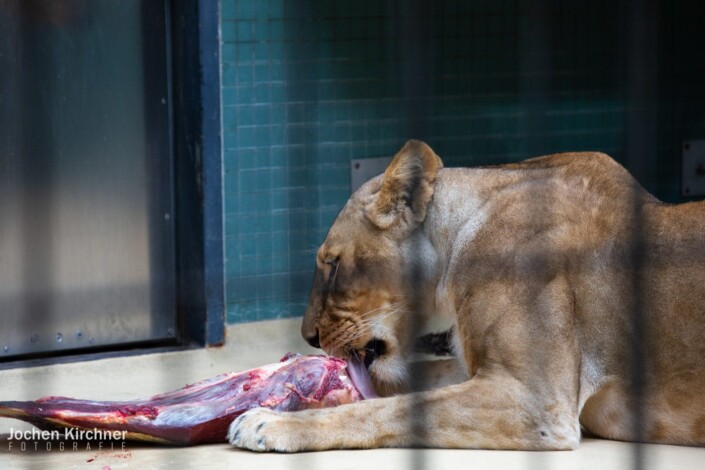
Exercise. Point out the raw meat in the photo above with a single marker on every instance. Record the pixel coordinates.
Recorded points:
(200, 412)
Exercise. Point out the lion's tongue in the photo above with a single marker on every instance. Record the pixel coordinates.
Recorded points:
(361, 378)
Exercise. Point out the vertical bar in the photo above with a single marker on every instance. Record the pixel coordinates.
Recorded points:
(159, 167)
(640, 149)
(416, 46)
(37, 170)
(535, 57)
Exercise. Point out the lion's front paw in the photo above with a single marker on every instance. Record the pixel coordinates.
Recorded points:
(263, 430)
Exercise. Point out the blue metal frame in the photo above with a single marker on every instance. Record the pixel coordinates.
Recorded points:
(198, 165)
(209, 18)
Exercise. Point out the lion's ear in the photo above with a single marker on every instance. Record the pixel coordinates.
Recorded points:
(407, 187)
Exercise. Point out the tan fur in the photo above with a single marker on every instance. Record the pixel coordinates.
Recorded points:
(556, 273)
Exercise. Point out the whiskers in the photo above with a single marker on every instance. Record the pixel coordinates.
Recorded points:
(372, 319)
(312, 250)
(393, 306)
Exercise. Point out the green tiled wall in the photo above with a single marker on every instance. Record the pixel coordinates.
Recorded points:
(310, 84)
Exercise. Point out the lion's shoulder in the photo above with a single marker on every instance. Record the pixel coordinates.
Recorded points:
(583, 163)
(595, 171)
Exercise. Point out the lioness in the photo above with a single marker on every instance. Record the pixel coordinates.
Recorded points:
(576, 299)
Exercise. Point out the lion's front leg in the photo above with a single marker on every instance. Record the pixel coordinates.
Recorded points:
(347, 426)
(479, 413)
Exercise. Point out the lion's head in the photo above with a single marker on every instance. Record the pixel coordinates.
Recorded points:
(374, 267)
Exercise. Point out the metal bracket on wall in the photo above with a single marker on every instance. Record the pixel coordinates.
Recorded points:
(693, 167)
(364, 169)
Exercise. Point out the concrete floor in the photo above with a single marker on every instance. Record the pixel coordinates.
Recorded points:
(252, 345)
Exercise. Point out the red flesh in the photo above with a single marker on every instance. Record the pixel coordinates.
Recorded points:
(200, 412)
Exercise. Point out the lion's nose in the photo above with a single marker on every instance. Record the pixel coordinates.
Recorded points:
(314, 340)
